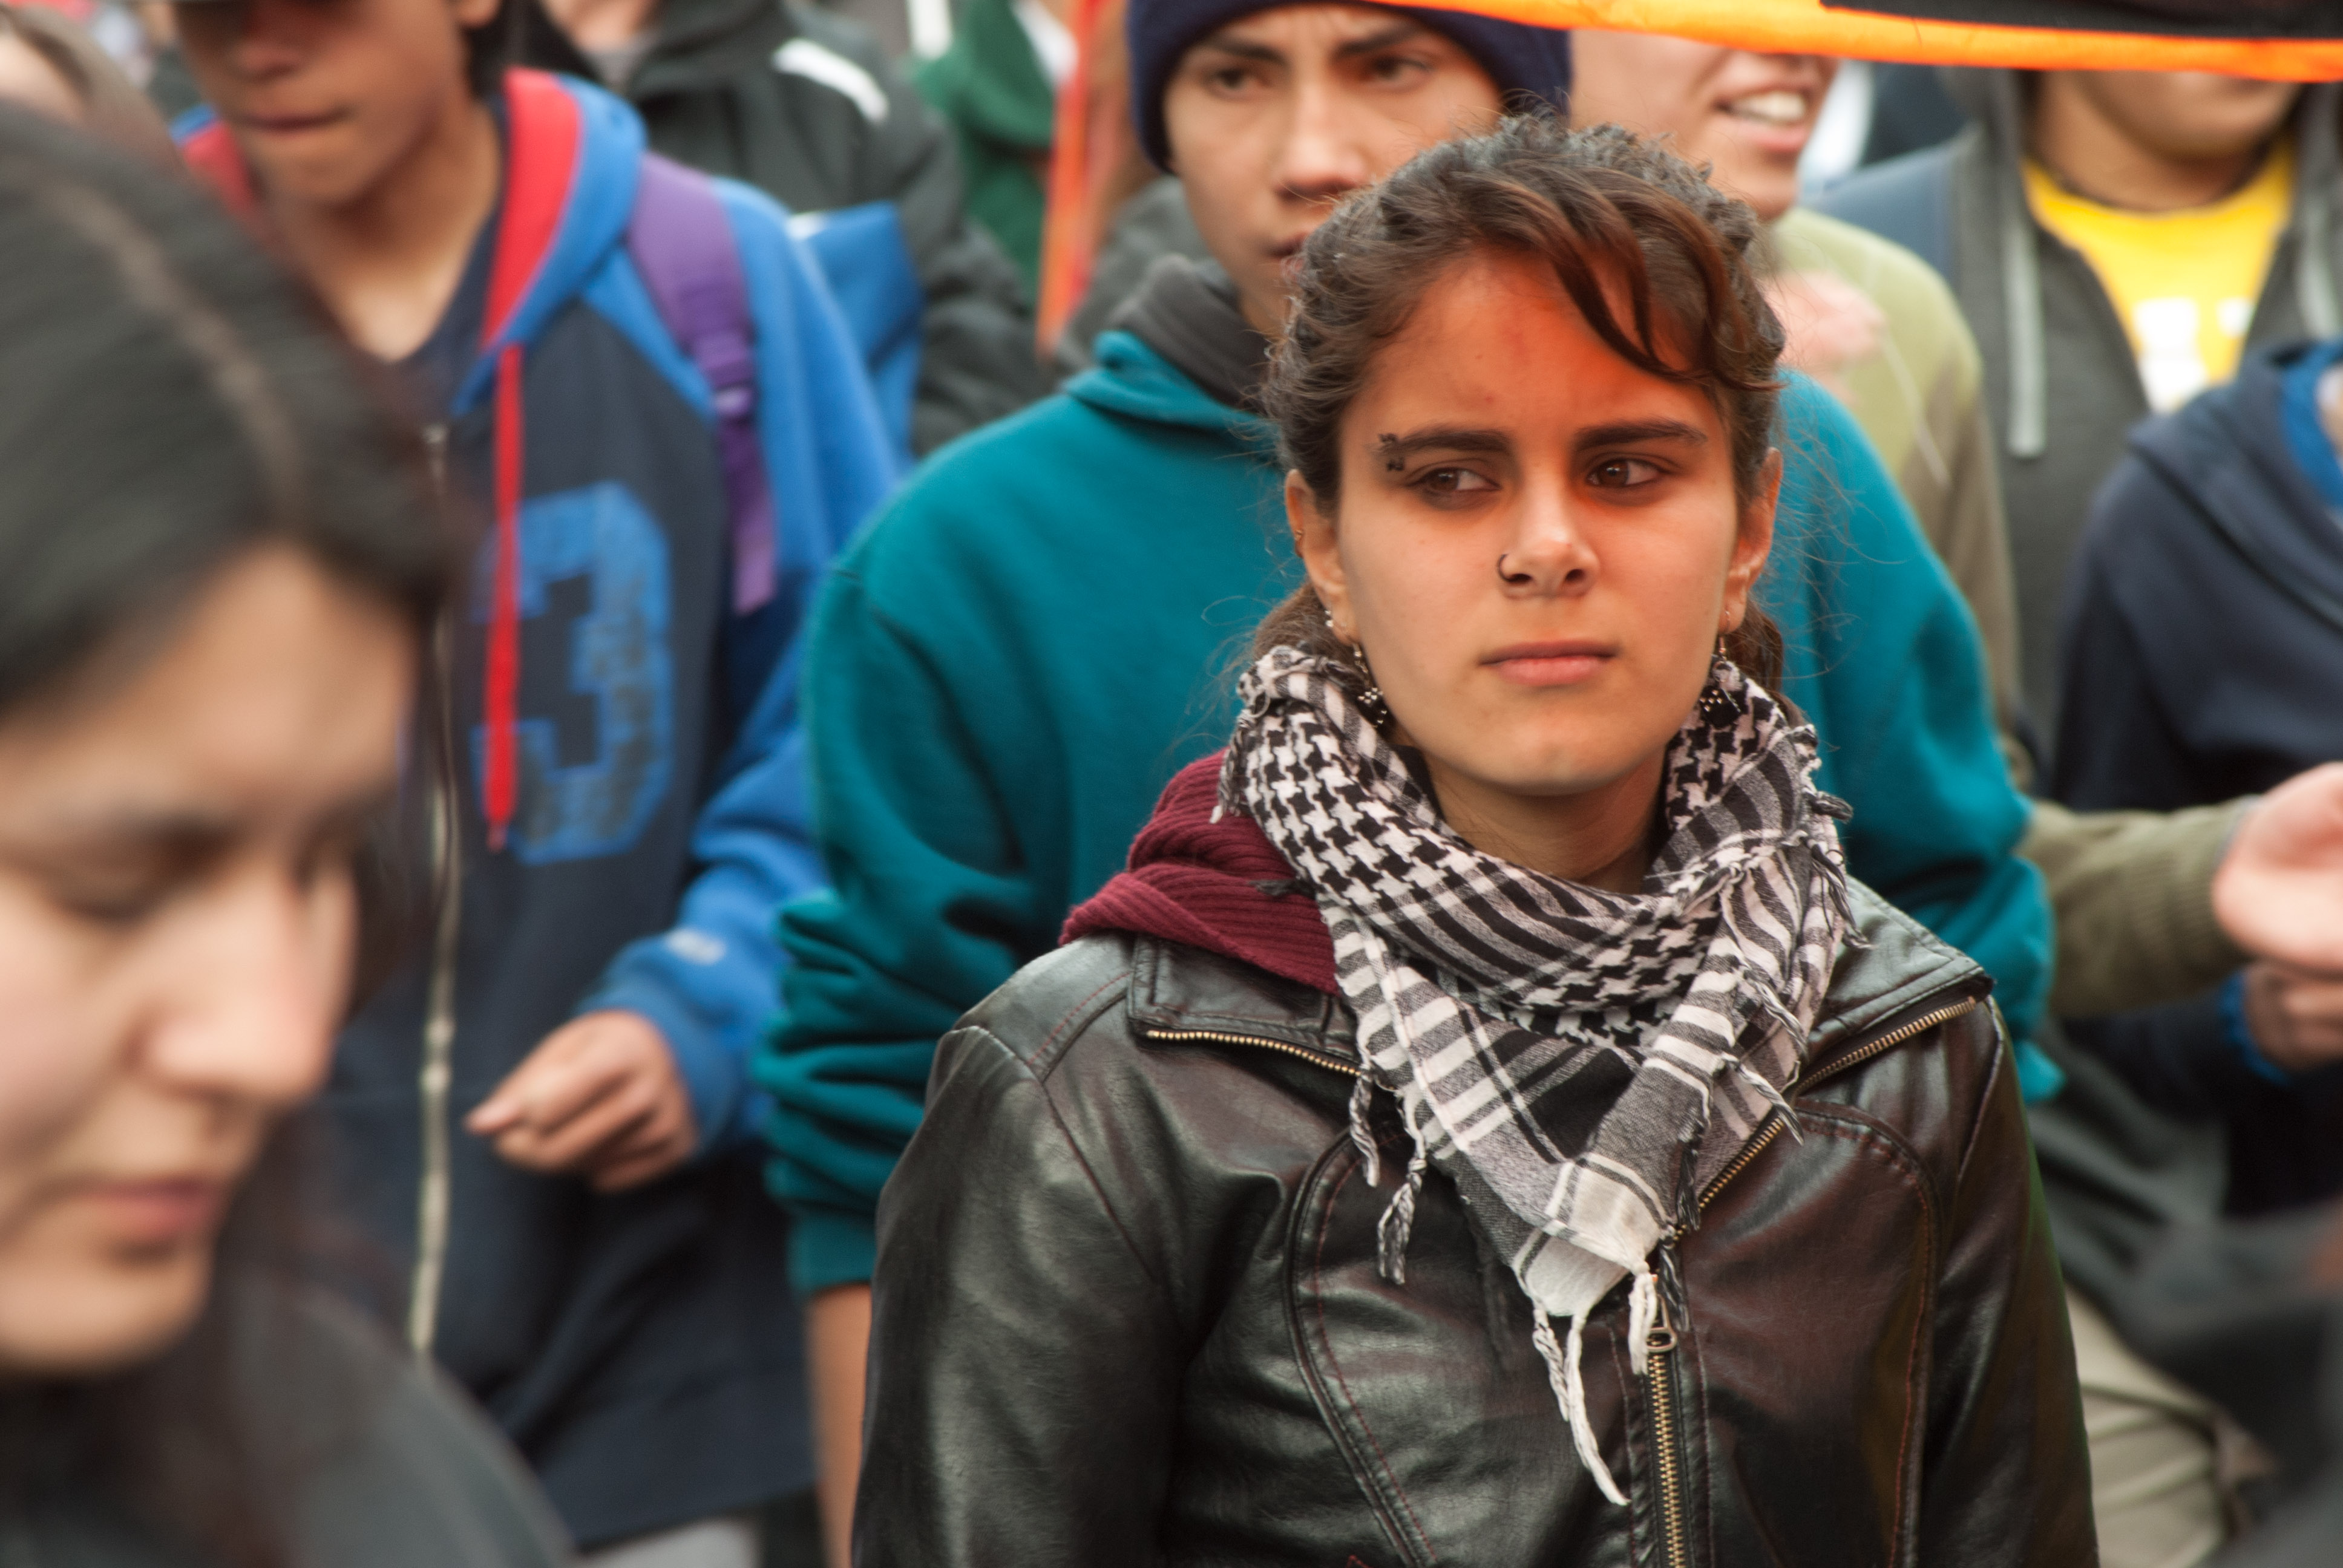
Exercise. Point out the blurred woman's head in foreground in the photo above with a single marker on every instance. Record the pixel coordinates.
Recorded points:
(218, 565)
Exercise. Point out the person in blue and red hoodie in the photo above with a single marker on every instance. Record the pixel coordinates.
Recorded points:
(542, 1115)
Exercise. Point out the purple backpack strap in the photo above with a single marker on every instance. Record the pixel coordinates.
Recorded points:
(683, 247)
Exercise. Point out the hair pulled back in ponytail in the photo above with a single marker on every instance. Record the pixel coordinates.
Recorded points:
(1608, 211)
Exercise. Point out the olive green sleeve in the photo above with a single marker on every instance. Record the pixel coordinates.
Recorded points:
(1971, 536)
(2133, 893)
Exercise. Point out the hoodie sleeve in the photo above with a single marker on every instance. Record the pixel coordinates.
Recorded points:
(934, 907)
(711, 982)
(1884, 659)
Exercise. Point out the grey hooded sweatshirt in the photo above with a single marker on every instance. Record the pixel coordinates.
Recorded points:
(2060, 379)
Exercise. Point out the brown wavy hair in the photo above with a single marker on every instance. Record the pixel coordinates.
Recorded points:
(1601, 208)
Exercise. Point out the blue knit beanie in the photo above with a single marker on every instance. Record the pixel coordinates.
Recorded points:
(1518, 58)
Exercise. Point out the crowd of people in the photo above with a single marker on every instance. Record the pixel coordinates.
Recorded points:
(1561, 846)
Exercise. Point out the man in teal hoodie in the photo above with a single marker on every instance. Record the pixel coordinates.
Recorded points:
(1010, 664)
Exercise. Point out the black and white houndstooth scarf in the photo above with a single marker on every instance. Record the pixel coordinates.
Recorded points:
(1580, 1063)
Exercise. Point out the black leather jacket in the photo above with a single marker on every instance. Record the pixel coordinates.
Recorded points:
(1127, 1311)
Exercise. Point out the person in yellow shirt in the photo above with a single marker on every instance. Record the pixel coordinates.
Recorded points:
(2183, 281)
(2115, 238)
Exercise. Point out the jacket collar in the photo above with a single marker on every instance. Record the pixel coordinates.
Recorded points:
(1893, 970)
(1187, 312)
(1893, 967)
(1176, 988)
(571, 153)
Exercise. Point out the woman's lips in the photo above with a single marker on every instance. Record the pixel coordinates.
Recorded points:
(1550, 663)
(159, 1211)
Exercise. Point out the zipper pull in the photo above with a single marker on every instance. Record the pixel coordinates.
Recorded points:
(435, 453)
(1660, 1339)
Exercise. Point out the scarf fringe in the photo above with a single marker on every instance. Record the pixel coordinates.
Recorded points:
(1393, 1231)
(1570, 1393)
(1363, 1134)
(1774, 1098)
(1398, 1223)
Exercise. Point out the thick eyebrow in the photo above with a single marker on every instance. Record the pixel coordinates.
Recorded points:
(1383, 38)
(1628, 432)
(1243, 49)
(1396, 33)
(1395, 450)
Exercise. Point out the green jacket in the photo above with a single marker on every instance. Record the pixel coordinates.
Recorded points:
(1041, 629)
(989, 89)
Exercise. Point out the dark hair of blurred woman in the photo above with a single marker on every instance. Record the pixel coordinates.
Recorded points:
(219, 566)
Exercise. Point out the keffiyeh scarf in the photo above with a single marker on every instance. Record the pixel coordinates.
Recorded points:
(1580, 1063)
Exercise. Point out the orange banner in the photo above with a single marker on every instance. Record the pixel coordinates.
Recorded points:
(1810, 27)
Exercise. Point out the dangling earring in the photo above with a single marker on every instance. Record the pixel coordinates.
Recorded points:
(1717, 706)
(1370, 700)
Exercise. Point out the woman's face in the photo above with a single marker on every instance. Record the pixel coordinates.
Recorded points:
(176, 917)
(1537, 545)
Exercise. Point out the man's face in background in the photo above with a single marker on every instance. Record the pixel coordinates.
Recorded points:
(324, 97)
(1275, 118)
(1746, 115)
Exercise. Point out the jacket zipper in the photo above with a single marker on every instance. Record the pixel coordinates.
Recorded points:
(436, 1078)
(1660, 1343)
(1887, 1041)
(1869, 1049)
(1667, 1437)
(1316, 1059)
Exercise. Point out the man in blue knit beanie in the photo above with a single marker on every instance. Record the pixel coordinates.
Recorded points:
(1270, 116)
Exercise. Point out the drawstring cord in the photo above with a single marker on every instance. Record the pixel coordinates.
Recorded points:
(500, 695)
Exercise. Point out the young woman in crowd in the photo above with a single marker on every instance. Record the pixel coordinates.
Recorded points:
(1485, 1125)
(218, 567)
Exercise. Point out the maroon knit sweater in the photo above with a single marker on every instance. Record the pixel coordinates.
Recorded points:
(1194, 880)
